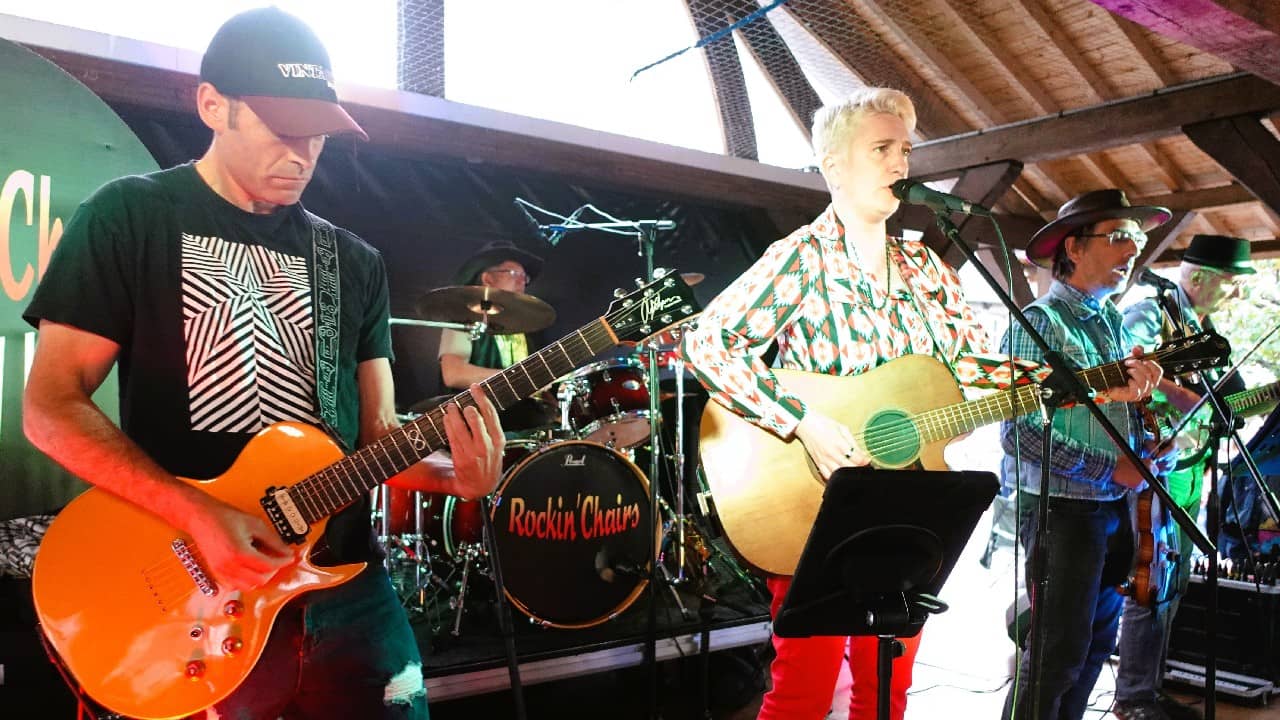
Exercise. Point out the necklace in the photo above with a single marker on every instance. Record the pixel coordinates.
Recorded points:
(864, 287)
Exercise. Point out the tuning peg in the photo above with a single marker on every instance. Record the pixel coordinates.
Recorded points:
(639, 282)
(619, 293)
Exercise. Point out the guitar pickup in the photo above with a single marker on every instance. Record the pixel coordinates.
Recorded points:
(285, 516)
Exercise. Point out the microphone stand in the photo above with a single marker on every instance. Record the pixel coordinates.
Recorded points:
(1061, 385)
(646, 233)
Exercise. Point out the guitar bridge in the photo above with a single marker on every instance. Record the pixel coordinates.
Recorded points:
(189, 562)
(284, 515)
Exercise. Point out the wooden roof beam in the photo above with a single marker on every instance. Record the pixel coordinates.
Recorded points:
(1206, 199)
(1111, 124)
(1245, 35)
(780, 68)
(1247, 150)
(725, 70)
(982, 185)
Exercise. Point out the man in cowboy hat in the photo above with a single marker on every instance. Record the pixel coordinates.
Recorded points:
(1208, 277)
(503, 266)
(1090, 247)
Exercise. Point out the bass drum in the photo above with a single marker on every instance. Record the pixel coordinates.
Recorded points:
(573, 531)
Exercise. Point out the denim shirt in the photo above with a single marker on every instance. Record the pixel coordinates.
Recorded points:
(1083, 457)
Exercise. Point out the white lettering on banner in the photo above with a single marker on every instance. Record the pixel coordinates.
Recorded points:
(18, 283)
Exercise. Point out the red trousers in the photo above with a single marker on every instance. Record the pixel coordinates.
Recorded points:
(806, 669)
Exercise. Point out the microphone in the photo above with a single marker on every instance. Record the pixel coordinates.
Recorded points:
(537, 229)
(1149, 277)
(916, 193)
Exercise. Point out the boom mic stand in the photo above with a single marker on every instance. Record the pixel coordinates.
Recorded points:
(1057, 388)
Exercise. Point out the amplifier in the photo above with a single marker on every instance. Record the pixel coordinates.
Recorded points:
(1247, 628)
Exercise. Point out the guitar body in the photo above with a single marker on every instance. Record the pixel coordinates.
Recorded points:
(767, 492)
(126, 616)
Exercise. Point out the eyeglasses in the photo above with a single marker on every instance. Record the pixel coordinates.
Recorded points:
(520, 275)
(1138, 237)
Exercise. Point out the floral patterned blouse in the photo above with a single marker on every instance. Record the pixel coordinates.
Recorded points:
(827, 317)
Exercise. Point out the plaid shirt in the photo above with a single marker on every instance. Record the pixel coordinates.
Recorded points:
(806, 292)
(1084, 457)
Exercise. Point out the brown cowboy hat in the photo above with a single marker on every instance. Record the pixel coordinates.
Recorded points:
(491, 254)
(1087, 209)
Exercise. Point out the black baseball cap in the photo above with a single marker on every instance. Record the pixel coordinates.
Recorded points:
(277, 66)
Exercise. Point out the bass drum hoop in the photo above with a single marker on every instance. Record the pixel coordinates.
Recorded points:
(643, 583)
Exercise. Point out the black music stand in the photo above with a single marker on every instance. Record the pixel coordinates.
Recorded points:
(880, 549)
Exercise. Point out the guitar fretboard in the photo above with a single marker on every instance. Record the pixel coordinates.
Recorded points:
(343, 482)
(1247, 400)
(951, 420)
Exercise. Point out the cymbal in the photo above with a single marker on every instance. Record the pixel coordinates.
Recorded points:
(692, 279)
(506, 312)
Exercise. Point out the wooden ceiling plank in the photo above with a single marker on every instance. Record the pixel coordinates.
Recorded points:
(1248, 40)
(1015, 69)
(1058, 38)
(1142, 45)
(1120, 122)
(1016, 201)
(1247, 150)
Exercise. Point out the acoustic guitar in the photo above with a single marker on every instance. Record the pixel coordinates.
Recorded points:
(149, 632)
(767, 491)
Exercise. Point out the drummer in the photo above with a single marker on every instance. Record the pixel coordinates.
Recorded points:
(503, 266)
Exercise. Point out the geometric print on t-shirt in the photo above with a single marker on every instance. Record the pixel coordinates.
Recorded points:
(249, 336)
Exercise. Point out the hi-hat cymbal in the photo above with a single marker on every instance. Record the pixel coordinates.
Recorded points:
(506, 312)
(692, 279)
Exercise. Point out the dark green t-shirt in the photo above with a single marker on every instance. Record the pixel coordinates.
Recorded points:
(212, 309)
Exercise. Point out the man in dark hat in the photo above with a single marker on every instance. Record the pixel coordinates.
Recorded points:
(204, 282)
(1208, 278)
(1090, 247)
(463, 361)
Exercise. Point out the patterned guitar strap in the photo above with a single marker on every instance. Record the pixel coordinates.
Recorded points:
(325, 305)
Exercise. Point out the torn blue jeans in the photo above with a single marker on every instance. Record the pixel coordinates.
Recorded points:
(345, 652)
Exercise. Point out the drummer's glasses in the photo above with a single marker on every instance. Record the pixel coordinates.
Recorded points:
(520, 275)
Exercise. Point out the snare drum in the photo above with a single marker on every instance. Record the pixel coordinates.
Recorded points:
(573, 531)
(608, 402)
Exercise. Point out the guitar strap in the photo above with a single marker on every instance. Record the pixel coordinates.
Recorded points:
(326, 303)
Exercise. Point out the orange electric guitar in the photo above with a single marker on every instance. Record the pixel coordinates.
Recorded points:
(148, 632)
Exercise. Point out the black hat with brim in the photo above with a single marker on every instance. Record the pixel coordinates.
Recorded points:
(1087, 209)
(1223, 252)
(494, 253)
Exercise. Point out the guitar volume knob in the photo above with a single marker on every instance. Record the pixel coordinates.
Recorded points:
(233, 608)
(232, 645)
(195, 670)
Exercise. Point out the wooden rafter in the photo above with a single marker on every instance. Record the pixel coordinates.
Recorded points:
(780, 67)
(981, 185)
(1113, 124)
(1246, 37)
(1247, 150)
(1206, 199)
(732, 102)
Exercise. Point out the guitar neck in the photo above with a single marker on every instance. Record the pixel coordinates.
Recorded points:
(1247, 400)
(341, 483)
(951, 420)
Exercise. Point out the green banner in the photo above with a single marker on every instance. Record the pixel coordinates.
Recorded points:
(59, 143)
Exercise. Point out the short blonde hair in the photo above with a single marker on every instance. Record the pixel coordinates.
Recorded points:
(833, 124)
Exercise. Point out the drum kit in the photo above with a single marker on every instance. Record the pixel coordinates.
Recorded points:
(572, 513)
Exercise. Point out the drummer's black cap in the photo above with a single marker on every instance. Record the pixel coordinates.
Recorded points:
(491, 254)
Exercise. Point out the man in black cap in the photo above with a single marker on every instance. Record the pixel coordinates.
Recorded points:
(1090, 247)
(1208, 277)
(463, 361)
(228, 308)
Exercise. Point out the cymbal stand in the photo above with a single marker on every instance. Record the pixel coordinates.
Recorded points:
(475, 329)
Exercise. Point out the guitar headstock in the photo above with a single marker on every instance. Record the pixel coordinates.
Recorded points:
(1193, 353)
(653, 308)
